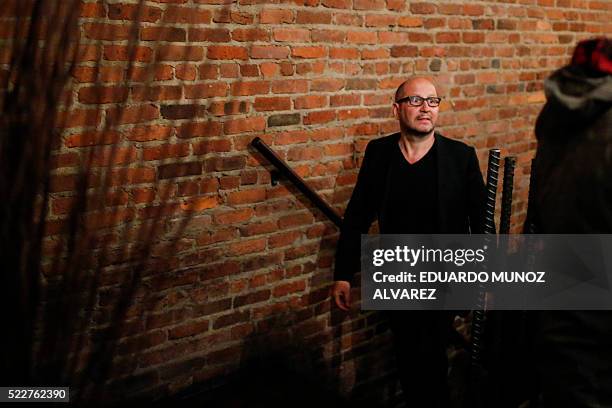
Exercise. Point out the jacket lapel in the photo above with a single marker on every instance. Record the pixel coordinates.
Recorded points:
(444, 176)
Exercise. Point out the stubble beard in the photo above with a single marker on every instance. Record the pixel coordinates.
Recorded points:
(416, 132)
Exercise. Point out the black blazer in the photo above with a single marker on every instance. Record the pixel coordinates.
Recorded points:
(461, 197)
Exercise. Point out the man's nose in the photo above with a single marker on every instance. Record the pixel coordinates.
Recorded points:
(425, 107)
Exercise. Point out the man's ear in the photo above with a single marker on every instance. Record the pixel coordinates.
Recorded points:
(395, 110)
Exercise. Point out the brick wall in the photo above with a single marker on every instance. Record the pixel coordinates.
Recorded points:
(161, 212)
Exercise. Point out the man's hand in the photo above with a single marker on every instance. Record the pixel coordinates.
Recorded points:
(342, 294)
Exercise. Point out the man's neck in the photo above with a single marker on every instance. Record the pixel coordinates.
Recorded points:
(415, 147)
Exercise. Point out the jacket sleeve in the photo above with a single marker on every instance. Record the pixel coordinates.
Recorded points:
(477, 195)
(358, 218)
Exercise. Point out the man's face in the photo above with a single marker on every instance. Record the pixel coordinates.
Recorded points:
(417, 120)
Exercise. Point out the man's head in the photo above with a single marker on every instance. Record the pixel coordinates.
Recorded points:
(416, 115)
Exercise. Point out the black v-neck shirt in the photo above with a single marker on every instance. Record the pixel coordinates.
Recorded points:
(412, 196)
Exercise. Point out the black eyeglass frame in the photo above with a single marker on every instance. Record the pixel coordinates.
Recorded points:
(413, 99)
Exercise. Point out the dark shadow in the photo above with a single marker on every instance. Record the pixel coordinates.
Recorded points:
(87, 252)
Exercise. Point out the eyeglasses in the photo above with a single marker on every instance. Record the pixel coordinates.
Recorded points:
(414, 100)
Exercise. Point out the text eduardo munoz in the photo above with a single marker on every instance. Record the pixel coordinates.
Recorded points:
(458, 257)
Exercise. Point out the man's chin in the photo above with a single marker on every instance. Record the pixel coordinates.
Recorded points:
(420, 132)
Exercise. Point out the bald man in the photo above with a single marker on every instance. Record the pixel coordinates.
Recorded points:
(413, 182)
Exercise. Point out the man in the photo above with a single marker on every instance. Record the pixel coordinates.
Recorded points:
(572, 194)
(414, 182)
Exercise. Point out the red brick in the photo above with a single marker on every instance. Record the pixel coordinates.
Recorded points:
(229, 182)
(103, 74)
(133, 12)
(362, 37)
(197, 204)
(344, 100)
(283, 239)
(225, 163)
(250, 35)
(285, 289)
(136, 175)
(202, 91)
(78, 118)
(401, 51)
(392, 37)
(272, 104)
(311, 102)
(241, 17)
(253, 297)
(231, 319)
(162, 72)
(209, 34)
(234, 216)
(290, 86)
(180, 53)
(64, 160)
(308, 52)
(132, 114)
(447, 37)
(473, 9)
(103, 94)
(269, 51)
(108, 156)
(174, 112)
(340, 149)
(174, 170)
(163, 34)
(313, 17)
(250, 70)
(188, 329)
(378, 20)
(327, 134)
(92, 10)
(250, 88)
(247, 247)
(92, 138)
(208, 71)
(292, 35)
(218, 235)
(226, 52)
(186, 15)
(348, 19)
(229, 70)
(472, 37)
(275, 16)
(246, 196)
(344, 53)
(253, 124)
(431, 23)
(420, 37)
(375, 54)
(199, 129)
(151, 132)
(165, 151)
(334, 36)
(229, 108)
(258, 228)
(341, 4)
(101, 31)
(156, 93)
(85, 53)
(127, 53)
(268, 69)
(211, 146)
(423, 8)
(368, 4)
(319, 117)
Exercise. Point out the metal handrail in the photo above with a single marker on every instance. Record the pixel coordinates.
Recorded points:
(297, 181)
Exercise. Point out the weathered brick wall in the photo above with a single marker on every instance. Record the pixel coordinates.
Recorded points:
(161, 105)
